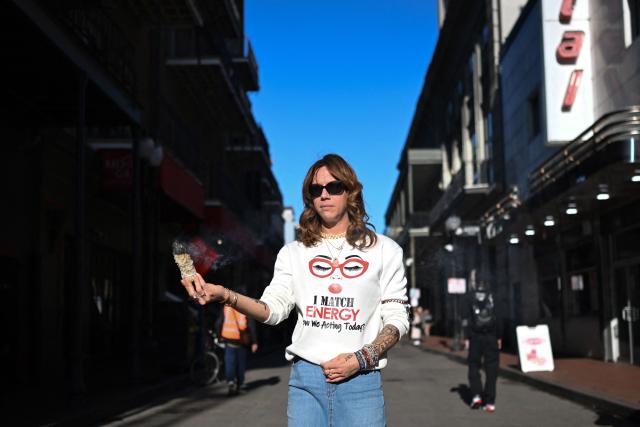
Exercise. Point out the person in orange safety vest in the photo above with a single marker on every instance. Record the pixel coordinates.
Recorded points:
(238, 332)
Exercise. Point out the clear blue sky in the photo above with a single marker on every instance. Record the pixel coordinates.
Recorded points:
(342, 77)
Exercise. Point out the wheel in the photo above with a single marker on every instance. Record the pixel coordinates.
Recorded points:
(204, 368)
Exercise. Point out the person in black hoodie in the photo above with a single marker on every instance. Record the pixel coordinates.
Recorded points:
(484, 332)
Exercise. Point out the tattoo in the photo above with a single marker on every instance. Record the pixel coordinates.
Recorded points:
(386, 339)
(349, 356)
(263, 304)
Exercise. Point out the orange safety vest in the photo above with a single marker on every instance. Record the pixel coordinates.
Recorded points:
(234, 324)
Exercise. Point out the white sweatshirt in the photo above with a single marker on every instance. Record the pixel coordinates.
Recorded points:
(339, 308)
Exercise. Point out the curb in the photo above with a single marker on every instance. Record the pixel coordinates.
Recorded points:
(599, 403)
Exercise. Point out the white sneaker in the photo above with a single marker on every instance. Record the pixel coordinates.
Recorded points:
(476, 402)
(489, 408)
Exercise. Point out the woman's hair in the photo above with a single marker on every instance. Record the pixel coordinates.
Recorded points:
(358, 233)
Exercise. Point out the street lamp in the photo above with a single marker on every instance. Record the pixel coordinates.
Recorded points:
(452, 224)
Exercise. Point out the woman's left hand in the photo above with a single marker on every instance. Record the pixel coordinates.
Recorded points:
(340, 367)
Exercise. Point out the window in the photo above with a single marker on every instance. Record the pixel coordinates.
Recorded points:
(534, 114)
(631, 19)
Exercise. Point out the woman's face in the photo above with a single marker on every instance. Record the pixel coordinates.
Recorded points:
(331, 208)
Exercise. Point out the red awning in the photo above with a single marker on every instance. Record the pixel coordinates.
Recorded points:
(181, 186)
(219, 218)
(204, 256)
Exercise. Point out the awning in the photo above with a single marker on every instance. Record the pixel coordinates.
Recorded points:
(181, 186)
(219, 218)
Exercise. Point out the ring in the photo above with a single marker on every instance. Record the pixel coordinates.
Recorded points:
(195, 297)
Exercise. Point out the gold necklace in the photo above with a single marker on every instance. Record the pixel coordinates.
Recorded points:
(333, 236)
(335, 261)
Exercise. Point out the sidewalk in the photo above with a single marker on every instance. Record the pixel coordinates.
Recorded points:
(129, 400)
(610, 386)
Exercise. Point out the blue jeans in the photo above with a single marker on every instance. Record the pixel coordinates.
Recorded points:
(235, 363)
(313, 401)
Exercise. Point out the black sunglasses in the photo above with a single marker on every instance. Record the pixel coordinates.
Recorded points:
(334, 188)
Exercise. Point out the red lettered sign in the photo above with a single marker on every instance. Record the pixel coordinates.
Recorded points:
(570, 46)
(572, 89)
(566, 10)
(116, 169)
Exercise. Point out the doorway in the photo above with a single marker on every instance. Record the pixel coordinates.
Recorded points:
(626, 306)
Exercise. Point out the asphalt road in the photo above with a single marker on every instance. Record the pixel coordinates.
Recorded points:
(421, 389)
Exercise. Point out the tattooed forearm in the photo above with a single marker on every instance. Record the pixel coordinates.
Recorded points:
(263, 304)
(386, 339)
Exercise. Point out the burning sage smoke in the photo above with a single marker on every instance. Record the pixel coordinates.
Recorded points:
(183, 260)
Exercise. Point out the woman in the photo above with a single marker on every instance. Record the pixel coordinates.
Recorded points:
(348, 286)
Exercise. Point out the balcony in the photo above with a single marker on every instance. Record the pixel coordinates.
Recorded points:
(466, 201)
(226, 16)
(205, 66)
(167, 12)
(244, 61)
(181, 140)
(252, 149)
(104, 40)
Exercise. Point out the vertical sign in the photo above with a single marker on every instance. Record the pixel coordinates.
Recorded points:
(568, 91)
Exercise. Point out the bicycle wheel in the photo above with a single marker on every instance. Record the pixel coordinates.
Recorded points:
(204, 368)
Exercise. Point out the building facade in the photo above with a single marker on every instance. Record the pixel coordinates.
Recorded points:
(127, 126)
(571, 94)
(546, 210)
(451, 166)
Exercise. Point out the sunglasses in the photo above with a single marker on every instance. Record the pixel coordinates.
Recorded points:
(334, 188)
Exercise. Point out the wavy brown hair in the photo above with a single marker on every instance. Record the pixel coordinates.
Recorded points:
(360, 232)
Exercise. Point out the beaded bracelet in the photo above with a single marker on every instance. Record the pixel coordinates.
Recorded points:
(399, 301)
(361, 362)
(374, 355)
(367, 358)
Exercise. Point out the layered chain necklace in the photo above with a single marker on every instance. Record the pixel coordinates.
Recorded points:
(327, 241)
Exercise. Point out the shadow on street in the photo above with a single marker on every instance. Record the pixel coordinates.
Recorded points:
(252, 385)
(464, 392)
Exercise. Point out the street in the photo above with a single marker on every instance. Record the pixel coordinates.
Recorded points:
(421, 388)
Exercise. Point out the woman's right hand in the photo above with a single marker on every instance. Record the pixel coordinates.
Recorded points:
(214, 293)
(194, 285)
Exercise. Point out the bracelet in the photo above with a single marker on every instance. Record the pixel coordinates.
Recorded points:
(372, 353)
(235, 300)
(233, 296)
(361, 362)
(225, 296)
(367, 358)
(400, 301)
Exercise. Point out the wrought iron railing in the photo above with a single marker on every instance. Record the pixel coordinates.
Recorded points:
(201, 44)
(104, 39)
(182, 141)
(612, 127)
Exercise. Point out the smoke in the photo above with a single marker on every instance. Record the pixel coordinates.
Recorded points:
(210, 252)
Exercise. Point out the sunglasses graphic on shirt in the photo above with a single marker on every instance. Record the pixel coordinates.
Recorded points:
(352, 267)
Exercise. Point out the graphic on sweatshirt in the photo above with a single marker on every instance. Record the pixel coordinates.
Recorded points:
(322, 266)
(335, 312)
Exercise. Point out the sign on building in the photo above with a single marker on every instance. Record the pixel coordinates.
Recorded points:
(568, 88)
(534, 348)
